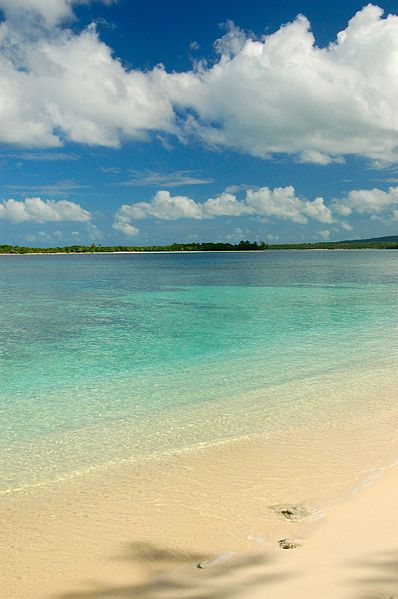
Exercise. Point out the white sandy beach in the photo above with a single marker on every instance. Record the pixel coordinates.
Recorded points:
(141, 530)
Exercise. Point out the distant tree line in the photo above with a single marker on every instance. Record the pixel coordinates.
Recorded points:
(174, 247)
(338, 245)
(244, 246)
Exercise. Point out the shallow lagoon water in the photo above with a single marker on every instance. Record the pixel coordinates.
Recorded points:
(105, 358)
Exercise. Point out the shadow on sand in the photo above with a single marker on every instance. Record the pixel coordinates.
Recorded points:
(175, 576)
(378, 577)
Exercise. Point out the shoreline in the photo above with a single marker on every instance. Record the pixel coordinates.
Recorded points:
(195, 252)
(366, 403)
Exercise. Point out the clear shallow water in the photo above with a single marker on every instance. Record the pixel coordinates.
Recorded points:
(105, 357)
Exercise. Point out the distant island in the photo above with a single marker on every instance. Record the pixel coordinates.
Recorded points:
(375, 243)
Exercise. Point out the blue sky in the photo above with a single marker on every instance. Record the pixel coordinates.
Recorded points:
(139, 123)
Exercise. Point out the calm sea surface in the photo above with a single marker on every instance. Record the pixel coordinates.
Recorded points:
(107, 357)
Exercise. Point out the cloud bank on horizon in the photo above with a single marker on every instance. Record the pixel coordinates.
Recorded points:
(280, 93)
(280, 203)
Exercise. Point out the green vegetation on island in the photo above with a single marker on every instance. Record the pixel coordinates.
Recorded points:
(174, 247)
(243, 246)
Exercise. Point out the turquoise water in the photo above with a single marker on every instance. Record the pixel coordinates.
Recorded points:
(106, 356)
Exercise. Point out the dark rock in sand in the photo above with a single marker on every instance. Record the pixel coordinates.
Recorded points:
(289, 544)
(295, 512)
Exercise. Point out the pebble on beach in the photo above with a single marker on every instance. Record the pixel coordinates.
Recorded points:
(289, 544)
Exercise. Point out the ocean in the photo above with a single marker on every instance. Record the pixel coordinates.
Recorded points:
(106, 359)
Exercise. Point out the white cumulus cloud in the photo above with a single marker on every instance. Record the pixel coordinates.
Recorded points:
(367, 201)
(280, 93)
(163, 206)
(125, 228)
(47, 87)
(50, 11)
(281, 203)
(283, 93)
(41, 211)
(225, 204)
